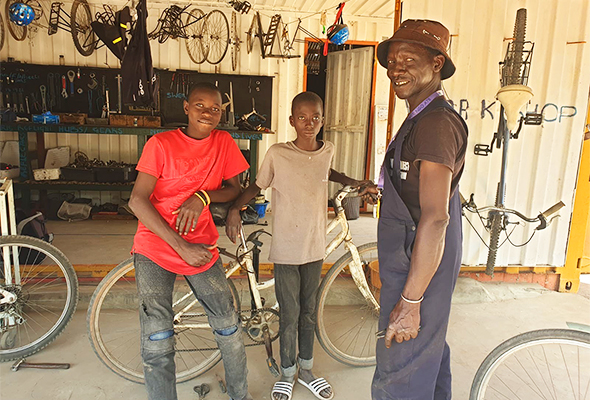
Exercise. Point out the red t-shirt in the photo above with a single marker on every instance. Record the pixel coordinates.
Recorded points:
(183, 166)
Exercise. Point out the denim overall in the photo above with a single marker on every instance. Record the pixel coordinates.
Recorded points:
(418, 369)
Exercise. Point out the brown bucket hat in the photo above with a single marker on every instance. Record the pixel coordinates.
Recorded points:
(428, 33)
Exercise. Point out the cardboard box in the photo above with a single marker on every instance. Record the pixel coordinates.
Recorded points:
(46, 174)
(121, 120)
(149, 121)
(73, 118)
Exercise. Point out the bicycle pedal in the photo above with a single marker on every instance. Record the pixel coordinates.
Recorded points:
(533, 119)
(482, 149)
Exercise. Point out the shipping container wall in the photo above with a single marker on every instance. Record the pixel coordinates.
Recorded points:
(288, 74)
(543, 162)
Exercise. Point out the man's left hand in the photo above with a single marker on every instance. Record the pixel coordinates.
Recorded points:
(188, 214)
(368, 191)
(404, 323)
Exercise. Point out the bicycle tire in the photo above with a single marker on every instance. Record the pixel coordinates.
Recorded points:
(328, 311)
(517, 378)
(1, 32)
(250, 34)
(105, 342)
(218, 33)
(196, 47)
(235, 41)
(47, 296)
(82, 34)
(495, 229)
(18, 32)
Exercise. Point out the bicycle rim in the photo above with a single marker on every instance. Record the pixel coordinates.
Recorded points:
(545, 364)
(45, 299)
(218, 33)
(19, 33)
(251, 34)
(197, 46)
(235, 41)
(114, 330)
(82, 33)
(346, 321)
(1, 32)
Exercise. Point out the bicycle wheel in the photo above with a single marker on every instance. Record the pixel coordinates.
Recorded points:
(254, 31)
(1, 32)
(543, 364)
(18, 32)
(82, 34)
(114, 331)
(218, 33)
(495, 229)
(45, 298)
(196, 45)
(346, 322)
(235, 41)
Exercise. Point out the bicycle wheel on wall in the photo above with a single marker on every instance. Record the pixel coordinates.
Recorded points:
(346, 321)
(18, 32)
(82, 34)
(543, 364)
(197, 46)
(114, 331)
(218, 33)
(1, 32)
(44, 300)
(235, 41)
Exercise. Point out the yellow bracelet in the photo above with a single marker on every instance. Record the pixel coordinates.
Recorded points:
(207, 196)
(202, 199)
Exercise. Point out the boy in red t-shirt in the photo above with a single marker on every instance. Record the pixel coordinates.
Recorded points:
(180, 173)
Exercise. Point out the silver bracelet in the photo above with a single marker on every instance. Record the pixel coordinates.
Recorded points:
(412, 301)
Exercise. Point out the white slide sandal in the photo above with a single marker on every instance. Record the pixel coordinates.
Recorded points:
(281, 387)
(316, 386)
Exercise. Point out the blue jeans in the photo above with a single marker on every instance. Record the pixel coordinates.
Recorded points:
(155, 286)
(296, 287)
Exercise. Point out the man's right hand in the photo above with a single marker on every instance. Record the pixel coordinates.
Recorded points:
(233, 224)
(196, 254)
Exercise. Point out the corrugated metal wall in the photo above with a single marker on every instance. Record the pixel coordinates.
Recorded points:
(543, 162)
(288, 74)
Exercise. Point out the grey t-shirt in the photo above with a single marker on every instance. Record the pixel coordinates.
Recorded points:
(299, 181)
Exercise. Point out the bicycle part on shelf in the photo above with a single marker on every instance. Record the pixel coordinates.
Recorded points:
(64, 92)
(23, 364)
(258, 320)
(71, 76)
(43, 91)
(18, 32)
(41, 311)
(217, 33)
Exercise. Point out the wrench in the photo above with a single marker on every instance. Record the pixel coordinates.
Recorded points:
(71, 76)
(43, 91)
(64, 92)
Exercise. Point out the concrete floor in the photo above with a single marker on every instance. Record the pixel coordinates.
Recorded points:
(483, 315)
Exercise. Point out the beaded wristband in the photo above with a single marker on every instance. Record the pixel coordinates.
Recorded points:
(412, 301)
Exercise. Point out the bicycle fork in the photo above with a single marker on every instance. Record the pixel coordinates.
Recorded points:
(358, 276)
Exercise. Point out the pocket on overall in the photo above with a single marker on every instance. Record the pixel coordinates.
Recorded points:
(391, 239)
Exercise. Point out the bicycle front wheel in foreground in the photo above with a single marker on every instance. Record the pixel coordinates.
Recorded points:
(82, 34)
(543, 364)
(347, 322)
(45, 298)
(114, 330)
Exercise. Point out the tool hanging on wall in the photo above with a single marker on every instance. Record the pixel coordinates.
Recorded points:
(27, 103)
(21, 102)
(43, 91)
(230, 116)
(120, 102)
(64, 92)
(71, 76)
(51, 89)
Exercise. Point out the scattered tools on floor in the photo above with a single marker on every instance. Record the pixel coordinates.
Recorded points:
(20, 364)
(221, 382)
(202, 390)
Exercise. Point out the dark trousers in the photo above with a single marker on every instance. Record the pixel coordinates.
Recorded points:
(296, 288)
(155, 286)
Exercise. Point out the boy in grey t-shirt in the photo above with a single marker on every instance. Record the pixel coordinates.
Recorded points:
(298, 173)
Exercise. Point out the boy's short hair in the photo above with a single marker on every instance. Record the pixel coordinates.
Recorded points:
(203, 86)
(306, 97)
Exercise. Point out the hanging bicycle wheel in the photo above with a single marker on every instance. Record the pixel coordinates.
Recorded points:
(235, 41)
(82, 34)
(41, 294)
(1, 32)
(196, 45)
(218, 34)
(544, 364)
(18, 32)
(347, 322)
(114, 330)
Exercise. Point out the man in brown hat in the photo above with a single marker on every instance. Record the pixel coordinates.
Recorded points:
(420, 218)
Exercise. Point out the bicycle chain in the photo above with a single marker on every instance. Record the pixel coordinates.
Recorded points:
(246, 321)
